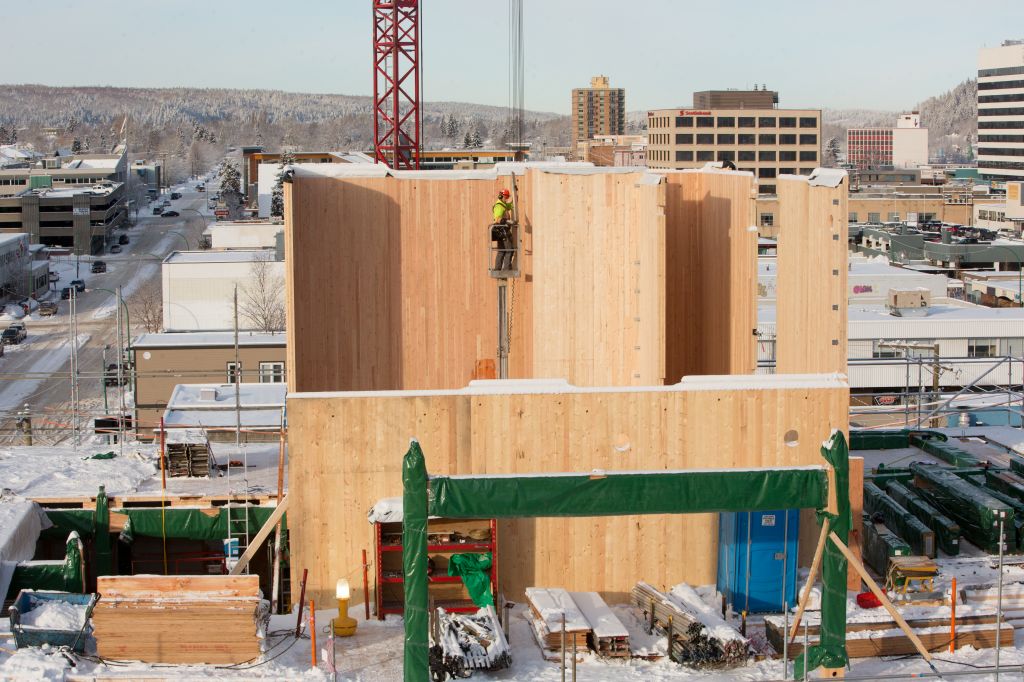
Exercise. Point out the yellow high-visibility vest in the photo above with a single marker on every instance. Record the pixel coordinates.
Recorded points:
(500, 208)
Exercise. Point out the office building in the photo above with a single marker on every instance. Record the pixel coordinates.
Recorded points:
(1001, 112)
(598, 110)
(79, 217)
(765, 141)
(905, 146)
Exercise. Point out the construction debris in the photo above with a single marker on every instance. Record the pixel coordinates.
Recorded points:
(467, 642)
(697, 636)
(179, 619)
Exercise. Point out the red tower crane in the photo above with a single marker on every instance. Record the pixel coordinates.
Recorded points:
(396, 83)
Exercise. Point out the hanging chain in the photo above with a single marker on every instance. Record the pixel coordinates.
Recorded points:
(511, 314)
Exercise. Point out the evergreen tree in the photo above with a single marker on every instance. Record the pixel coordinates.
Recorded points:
(230, 178)
(76, 146)
(467, 141)
(476, 140)
(832, 153)
(3, 134)
(13, 137)
(277, 193)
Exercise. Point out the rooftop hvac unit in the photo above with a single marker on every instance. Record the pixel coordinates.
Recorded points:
(909, 302)
(208, 393)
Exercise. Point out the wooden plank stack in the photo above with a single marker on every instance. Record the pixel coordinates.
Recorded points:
(693, 641)
(608, 636)
(187, 459)
(882, 636)
(213, 619)
(547, 606)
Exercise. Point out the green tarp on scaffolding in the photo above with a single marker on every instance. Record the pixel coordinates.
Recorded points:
(178, 522)
(66, 576)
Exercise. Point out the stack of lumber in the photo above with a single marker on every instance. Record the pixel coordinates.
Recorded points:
(213, 619)
(698, 635)
(608, 636)
(187, 459)
(547, 607)
(947, 532)
(973, 508)
(881, 636)
(920, 537)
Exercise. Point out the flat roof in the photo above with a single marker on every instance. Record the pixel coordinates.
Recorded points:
(67, 192)
(233, 256)
(210, 397)
(208, 339)
(946, 311)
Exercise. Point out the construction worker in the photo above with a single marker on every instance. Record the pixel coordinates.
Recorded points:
(501, 232)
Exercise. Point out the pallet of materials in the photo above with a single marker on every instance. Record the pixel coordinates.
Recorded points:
(187, 459)
(973, 508)
(920, 537)
(698, 635)
(883, 637)
(608, 636)
(947, 532)
(878, 545)
(547, 607)
(215, 619)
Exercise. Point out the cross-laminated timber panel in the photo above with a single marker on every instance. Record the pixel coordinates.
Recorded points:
(811, 310)
(598, 242)
(388, 285)
(347, 451)
(711, 260)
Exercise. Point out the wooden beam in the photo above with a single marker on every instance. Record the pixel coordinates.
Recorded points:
(811, 577)
(254, 545)
(881, 597)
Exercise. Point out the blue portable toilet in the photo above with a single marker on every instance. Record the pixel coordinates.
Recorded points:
(757, 555)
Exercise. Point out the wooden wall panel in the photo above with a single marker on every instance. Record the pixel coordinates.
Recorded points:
(598, 276)
(711, 268)
(346, 452)
(812, 268)
(388, 282)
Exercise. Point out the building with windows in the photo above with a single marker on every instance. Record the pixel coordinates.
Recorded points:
(767, 142)
(256, 411)
(162, 361)
(80, 217)
(598, 110)
(1001, 112)
(905, 146)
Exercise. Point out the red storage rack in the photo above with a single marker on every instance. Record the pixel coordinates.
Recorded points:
(386, 565)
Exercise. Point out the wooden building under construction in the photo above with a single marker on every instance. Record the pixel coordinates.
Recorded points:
(633, 320)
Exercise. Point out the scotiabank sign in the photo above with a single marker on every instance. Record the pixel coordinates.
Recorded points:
(688, 112)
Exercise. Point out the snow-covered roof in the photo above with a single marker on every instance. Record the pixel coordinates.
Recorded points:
(67, 192)
(207, 339)
(233, 256)
(94, 163)
(210, 397)
(248, 418)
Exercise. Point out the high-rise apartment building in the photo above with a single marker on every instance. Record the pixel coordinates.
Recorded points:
(1001, 111)
(598, 110)
(755, 137)
(905, 146)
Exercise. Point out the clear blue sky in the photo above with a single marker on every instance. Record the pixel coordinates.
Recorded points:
(817, 53)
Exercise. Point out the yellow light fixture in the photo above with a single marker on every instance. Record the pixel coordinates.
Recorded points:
(343, 625)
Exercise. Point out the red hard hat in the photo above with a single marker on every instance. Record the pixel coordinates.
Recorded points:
(504, 193)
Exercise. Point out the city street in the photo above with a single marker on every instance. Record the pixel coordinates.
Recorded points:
(37, 372)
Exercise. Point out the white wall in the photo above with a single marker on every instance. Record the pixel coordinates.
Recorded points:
(909, 147)
(266, 177)
(244, 235)
(199, 296)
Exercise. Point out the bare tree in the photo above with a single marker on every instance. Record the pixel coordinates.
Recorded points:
(147, 306)
(262, 299)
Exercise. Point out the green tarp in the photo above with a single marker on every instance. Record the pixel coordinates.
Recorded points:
(947, 532)
(890, 439)
(667, 492)
(619, 494)
(475, 572)
(68, 576)
(977, 512)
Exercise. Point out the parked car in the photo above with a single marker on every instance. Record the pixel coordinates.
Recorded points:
(99, 266)
(175, 195)
(157, 210)
(110, 376)
(200, 188)
(123, 239)
(169, 214)
(48, 308)
(14, 334)
(54, 277)
(115, 248)
(78, 284)
(65, 293)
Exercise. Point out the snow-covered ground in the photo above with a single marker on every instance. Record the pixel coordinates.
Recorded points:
(374, 654)
(49, 354)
